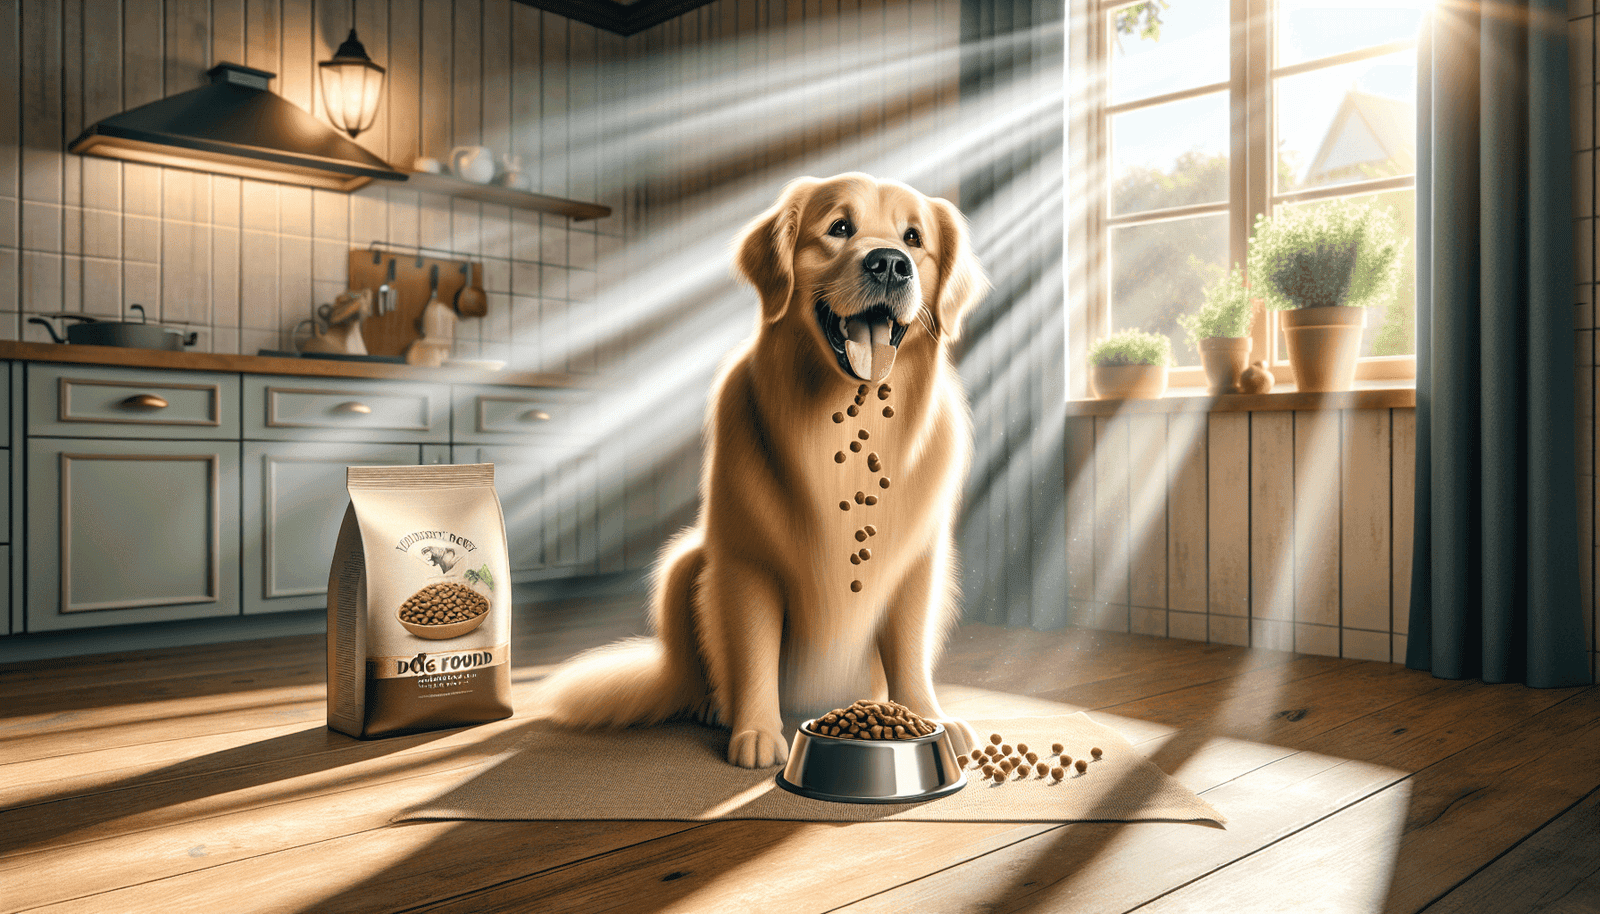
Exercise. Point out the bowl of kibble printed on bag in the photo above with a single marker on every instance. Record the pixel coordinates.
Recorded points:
(872, 752)
(444, 609)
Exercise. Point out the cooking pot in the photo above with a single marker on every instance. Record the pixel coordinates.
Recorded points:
(91, 331)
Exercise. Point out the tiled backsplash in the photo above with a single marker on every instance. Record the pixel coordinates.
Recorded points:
(242, 261)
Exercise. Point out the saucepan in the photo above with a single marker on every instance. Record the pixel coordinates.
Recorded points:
(92, 331)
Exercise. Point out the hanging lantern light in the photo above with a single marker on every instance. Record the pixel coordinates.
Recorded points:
(351, 86)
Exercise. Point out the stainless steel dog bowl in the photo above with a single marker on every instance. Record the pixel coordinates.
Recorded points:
(871, 770)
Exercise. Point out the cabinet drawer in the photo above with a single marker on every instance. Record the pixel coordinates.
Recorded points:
(345, 410)
(74, 401)
(490, 414)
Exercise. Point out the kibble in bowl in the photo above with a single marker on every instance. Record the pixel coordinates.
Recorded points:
(443, 610)
(872, 752)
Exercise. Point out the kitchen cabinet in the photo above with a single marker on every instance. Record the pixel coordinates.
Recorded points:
(131, 531)
(143, 494)
(294, 501)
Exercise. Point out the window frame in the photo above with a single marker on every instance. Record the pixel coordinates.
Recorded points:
(1252, 173)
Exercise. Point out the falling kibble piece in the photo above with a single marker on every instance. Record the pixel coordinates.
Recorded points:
(1095, 752)
(861, 536)
(844, 506)
(855, 587)
(865, 554)
(873, 463)
(1022, 748)
(838, 417)
(855, 559)
(883, 483)
(1055, 748)
(861, 497)
(861, 401)
(872, 500)
(839, 457)
(1081, 765)
(883, 392)
(861, 390)
(995, 738)
(863, 435)
(853, 410)
(1058, 772)
(888, 412)
(871, 530)
(855, 446)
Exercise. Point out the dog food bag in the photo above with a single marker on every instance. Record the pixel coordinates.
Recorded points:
(419, 602)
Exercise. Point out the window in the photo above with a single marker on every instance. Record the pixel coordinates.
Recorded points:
(1189, 102)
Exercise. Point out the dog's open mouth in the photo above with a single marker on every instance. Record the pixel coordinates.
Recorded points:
(864, 343)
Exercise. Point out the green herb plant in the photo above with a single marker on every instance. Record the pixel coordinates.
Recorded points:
(1342, 252)
(1132, 347)
(1225, 312)
(481, 576)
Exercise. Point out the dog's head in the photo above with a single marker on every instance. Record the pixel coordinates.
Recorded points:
(867, 260)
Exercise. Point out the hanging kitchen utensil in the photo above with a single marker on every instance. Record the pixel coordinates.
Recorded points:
(471, 302)
(438, 324)
(409, 278)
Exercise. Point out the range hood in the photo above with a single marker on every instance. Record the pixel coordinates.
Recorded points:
(236, 126)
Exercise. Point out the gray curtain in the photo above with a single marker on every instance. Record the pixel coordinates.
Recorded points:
(1494, 587)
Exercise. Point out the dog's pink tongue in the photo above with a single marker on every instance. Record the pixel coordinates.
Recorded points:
(868, 349)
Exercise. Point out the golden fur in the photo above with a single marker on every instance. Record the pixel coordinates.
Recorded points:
(753, 610)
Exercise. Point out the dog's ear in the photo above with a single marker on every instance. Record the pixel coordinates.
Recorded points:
(962, 283)
(766, 248)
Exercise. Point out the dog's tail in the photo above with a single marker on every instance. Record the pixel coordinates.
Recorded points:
(639, 680)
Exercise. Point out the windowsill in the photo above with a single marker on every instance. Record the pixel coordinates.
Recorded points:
(1384, 394)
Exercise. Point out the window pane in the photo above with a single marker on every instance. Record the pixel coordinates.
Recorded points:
(1309, 29)
(1347, 123)
(1170, 155)
(1158, 271)
(1191, 50)
(1392, 324)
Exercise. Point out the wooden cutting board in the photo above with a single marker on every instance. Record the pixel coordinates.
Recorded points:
(392, 332)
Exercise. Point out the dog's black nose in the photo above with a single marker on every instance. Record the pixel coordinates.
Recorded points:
(887, 266)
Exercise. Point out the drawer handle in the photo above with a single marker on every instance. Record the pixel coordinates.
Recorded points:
(536, 415)
(144, 401)
(354, 406)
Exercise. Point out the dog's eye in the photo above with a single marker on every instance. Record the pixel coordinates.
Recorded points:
(841, 228)
(913, 238)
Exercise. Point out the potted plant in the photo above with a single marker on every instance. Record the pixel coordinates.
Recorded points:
(1320, 266)
(1221, 331)
(1130, 364)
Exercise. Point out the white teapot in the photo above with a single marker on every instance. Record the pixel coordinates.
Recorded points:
(472, 163)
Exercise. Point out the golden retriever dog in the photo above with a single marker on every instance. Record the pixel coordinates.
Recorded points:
(821, 568)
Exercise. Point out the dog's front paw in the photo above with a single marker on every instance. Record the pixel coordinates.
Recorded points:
(757, 749)
(962, 736)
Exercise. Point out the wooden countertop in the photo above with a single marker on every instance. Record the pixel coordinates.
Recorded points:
(255, 364)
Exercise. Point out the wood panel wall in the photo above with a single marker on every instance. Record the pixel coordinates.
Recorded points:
(1586, 245)
(1283, 530)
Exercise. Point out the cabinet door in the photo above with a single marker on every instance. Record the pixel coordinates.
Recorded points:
(548, 494)
(294, 500)
(131, 531)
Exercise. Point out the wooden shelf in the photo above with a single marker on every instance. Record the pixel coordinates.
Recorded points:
(505, 196)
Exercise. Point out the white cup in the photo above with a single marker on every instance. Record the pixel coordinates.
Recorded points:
(473, 163)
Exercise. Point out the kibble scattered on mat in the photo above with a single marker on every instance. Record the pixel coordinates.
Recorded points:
(873, 720)
(999, 764)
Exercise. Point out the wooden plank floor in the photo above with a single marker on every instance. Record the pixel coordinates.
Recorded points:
(202, 779)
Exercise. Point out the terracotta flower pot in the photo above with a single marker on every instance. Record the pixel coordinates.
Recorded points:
(1128, 382)
(1323, 346)
(1224, 358)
